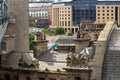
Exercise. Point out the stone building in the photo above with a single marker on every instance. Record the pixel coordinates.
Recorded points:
(40, 44)
(107, 54)
(18, 63)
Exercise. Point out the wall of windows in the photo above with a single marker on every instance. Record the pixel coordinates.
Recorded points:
(3, 11)
(83, 10)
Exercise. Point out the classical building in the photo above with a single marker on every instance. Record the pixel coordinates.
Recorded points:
(17, 61)
(107, 54)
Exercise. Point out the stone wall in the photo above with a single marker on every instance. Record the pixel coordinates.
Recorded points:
(32, 74)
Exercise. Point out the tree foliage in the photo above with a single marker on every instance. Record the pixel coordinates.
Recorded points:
(31, 39)
(59, 30)
(33, 24)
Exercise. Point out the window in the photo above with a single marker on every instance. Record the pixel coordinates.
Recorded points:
(98, 14)
(62, 23)
(65, 23)
(107, 10)
(41, 79)
(98, 7)
(3, 46)
(28, 78)
(103, 14)
(7, 77)
(52, 79)
(16, 78)
(103, 10)
(103, 18)
(77, 78)
(68, 23)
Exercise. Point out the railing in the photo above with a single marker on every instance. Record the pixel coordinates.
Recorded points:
(3, 20)
(3, 27)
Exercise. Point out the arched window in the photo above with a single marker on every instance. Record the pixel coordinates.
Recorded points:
(77, 78)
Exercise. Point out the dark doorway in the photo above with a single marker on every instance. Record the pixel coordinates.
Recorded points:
(28, 78)
(41, 78)
(0, 60)
(77, 78)
(7, 77)
(16, 78)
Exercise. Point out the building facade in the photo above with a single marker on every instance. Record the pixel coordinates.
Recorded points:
(80, 10)
(41, 13)
(107, 11)
(62, 17)
(3, 25)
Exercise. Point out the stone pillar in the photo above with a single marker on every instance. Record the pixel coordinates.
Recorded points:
(80, 44)
(22, 77)
(34, 76)
(19, 10)
(99, 58)
(40, 47)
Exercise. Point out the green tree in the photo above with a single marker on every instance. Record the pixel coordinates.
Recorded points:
(31, 39)
(33, 24)
(59, 30)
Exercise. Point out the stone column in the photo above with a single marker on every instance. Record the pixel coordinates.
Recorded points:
(99, 58)
(80, 44)
(19, 10)
(40, 47)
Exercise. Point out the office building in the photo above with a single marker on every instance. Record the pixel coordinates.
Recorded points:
(108, 11)
(79, 10)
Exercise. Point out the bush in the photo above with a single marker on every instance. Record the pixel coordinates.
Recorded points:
(31, 39)
(46, 69)
(32, 24)
(47, 31)
(58, 70)
(59, 30)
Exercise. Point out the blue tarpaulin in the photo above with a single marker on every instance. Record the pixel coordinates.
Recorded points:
(53, 45)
